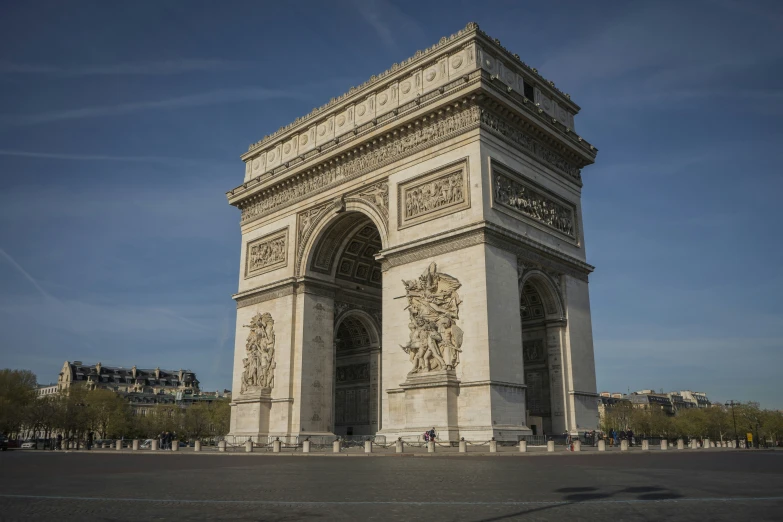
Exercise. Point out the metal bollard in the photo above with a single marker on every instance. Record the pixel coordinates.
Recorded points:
(493, 445)
(398, 445)
(550, 446)
(645, 445)
(336, 446)
(463, 446)
(135, 445)
(118, 445)
(430, 447)
(222, 445)
(577, 445)
(680, 444)
(174, 445)
(197, 446)
(664, 444)
(154, 445)
(368, 446)
(306, 446)
(249, 446)
(277, 445)
(624, 445)
(601, 445)
(523, 446)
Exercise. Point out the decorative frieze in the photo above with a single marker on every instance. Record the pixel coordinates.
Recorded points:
(267, 253)
(353, 372)
(510, 132)
(434, 194)
(259, 365)
(363, 160)
(433, 304)
(525, 198)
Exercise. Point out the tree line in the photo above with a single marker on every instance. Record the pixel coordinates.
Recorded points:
(715, 422)
(104, 413)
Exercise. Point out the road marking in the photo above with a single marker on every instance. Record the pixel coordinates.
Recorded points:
(394, 502)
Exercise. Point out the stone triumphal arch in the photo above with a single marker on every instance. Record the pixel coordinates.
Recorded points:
(413, 256)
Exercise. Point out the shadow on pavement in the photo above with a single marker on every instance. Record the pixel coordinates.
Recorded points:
(585, 494)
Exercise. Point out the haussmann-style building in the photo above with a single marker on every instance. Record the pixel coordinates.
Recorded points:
(413, 256)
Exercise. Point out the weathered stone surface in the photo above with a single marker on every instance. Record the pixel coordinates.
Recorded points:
(413, 258)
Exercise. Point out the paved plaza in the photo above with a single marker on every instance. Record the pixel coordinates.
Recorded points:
(686, 485)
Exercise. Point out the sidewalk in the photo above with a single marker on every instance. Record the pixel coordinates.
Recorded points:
(411, 451)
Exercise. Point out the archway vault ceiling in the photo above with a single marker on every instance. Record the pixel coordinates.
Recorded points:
(347, 251)
(531, 304)
(352, 334)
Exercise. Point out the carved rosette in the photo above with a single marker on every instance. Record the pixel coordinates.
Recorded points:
(258, 375)
(433, 304)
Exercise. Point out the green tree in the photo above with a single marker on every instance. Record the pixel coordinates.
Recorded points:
(718, 422)
(109, 412)
(618, 417)
(17, 392)
(220, 417)
(772, 425)
(691, 422)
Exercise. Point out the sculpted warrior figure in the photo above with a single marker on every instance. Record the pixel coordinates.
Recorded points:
(433, 304)
(260, 361)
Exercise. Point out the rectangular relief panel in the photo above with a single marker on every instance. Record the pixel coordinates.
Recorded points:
(433, 194)
(267, 253)
(524, 199)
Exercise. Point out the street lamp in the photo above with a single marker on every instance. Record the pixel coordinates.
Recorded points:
(733, 416)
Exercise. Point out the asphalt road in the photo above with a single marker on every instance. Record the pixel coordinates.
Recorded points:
(700, 486)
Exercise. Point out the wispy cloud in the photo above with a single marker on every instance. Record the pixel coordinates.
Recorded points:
(387, 20)
(11, 261)
(168, 67)
(193, 100)
(99, 157)
(371, 11)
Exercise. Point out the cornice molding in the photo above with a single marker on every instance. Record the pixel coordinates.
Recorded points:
(470, 33)
(446, 122)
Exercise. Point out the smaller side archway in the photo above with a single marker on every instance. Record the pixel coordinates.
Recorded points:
(543, 320)
(357, 374)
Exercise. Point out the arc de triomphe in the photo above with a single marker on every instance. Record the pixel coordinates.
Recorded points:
(413, 257)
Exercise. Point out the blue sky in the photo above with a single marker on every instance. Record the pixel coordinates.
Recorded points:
(121, 126)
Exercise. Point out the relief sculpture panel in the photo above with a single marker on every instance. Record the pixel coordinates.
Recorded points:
(258, 375)
(511, 195)
(434, 194)
(433, 304)
(267, 253)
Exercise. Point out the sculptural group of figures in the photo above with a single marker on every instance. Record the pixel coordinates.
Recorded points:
(435, 339)
(532, 204)
(267, 253)
(260, 361)
(433, 195)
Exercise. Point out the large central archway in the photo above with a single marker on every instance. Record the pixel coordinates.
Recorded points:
(342, 254)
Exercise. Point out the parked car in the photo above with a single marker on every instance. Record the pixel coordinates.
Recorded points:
(147, 444)
(29, 444)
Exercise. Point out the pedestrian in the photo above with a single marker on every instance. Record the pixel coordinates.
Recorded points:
(89, 441)
(432, 434)
(426, 436)
(59, 444)
(630, 437)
